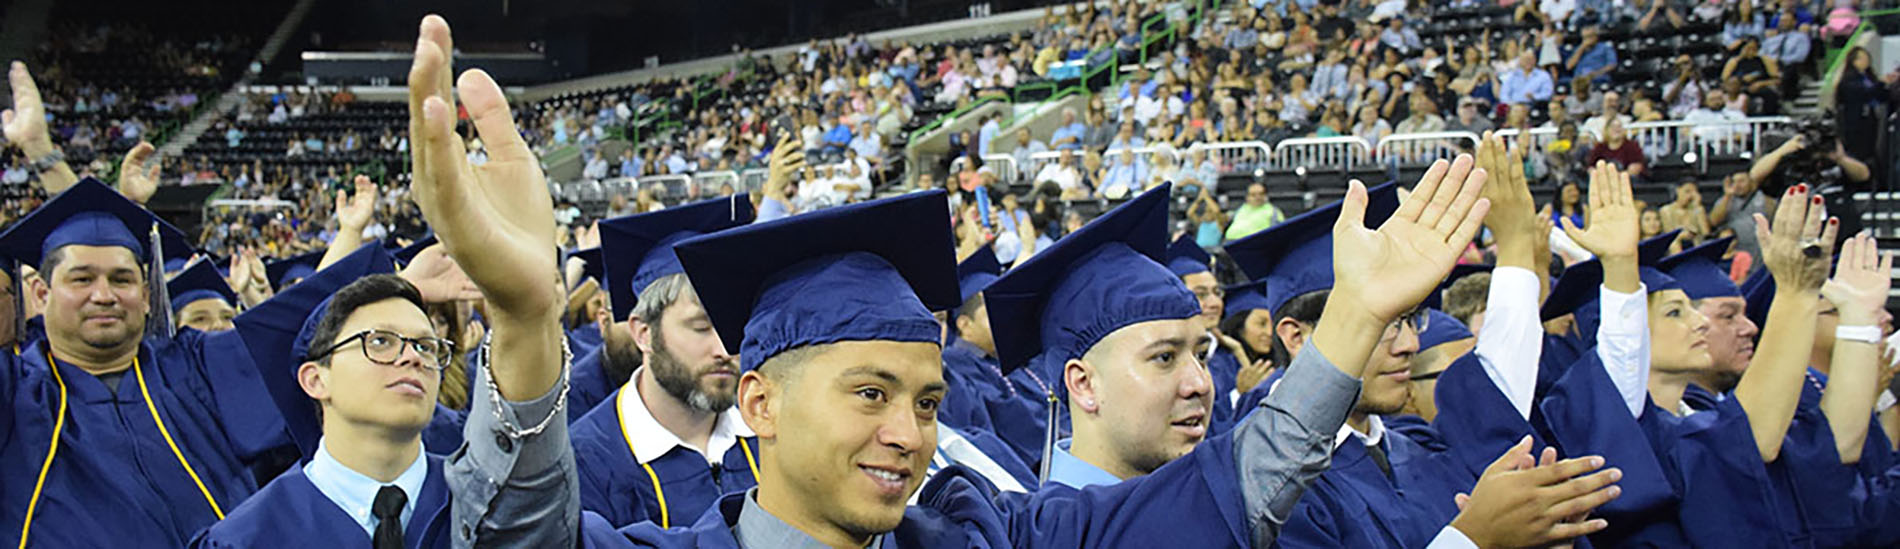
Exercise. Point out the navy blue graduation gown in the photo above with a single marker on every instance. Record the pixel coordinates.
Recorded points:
(584, 339)
(291, 513)
(616, 486)
(588, 384)
(1354, 504)
(1225, 369)
(1016, 406)
(1193, 501)
(962, 406)
(115, 479)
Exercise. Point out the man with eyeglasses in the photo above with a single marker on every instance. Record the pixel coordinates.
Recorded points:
(1190, 263)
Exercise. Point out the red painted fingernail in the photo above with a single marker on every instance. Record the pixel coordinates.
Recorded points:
(1834, 221)
(1817, 200)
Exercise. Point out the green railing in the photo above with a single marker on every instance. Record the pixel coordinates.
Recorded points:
(1150, 36)
(1838, 56)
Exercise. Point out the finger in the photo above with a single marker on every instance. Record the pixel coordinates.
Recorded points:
(1869, 251)
(1762, 233)
(1445, 192)
(26, 93)
(1827, 235)
(1513, 456)
(1585, 503)
(1470, 189)
(1569, 530)
(137, 157)
(1567, 469)
(1461, 500)
(1410, 207)
(1468, 229)
(1352, 209)
(436, 29)
(1625, 196)
(6, 117)
(488, 108)
(1816, 218)
(441, 186)
(1570, 228)
(1549, 458)
(1789, 214)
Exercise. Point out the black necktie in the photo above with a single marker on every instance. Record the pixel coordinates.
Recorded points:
(1377, 451)
(388, 512)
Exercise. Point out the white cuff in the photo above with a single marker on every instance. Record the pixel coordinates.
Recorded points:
(1451, 538)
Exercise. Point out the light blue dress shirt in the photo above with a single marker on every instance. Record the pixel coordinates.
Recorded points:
(356, 492)
(1071, 471)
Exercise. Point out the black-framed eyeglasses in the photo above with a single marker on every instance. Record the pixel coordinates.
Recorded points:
(1417, 319)
(385, 348)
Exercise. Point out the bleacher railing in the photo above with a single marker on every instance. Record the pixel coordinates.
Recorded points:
(1327, 153)
(712, 183)
(1423, 148)
(1003, 165)
(1236, 155)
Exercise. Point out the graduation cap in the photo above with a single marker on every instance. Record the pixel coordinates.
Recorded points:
(279, 345)
(286, 272)
(592, 265)
(871, 271)
(91, 214)
(638, 249)
(1246, 297)
(199, 281)
(975, 273)
(1436, 300)
(406, 254)
(1700, 270)
(1576, 291)
(1096, 280)
(1652, 250)
(1758, 289)
(174, 265)
(1185, 257)
(1295, 257)
(1442, 328)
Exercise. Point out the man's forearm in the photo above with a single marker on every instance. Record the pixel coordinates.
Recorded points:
(1283, 447)
(347, 240)
(55, 179)
(512, 488)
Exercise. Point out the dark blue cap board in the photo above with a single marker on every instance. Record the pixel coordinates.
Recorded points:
(278, 345)
(197, 281)
(1654, 280)
(1295, 257)
(638, 249)
(284, 271)
(976, 272)
(1436, 299)
(1759, 290)
(1652, 250)
(173, 265)
(1185, 257)
(1577, 287)
(1701, 270)
(90, 214)
(408, 253)
(1441, 329)
(593, 265)
(871, 271)
(1246, 297)
(1096, 280)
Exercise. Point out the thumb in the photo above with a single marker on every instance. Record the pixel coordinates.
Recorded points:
(1462, 500)
(1762, 231)
(1570, 228)
(1352, 210)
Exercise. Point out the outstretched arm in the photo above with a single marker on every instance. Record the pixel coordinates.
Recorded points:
(26, 129)
(1622, 338)
(1511, 340)
(1858, 291)
(513, 481)
(352, 213)
(1771, 388)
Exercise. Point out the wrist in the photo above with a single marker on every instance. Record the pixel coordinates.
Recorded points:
(1857, 333)
(37, 148)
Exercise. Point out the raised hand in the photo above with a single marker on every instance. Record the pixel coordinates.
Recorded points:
(354, 211)
(26, 121)
(1517, 504)
(1387, 271)
(138, 181)
(1378, 275)
(25, 127)
(1513, 218)
(436, 275)
(1614, 230)
(496, 220)
(1861, 280)
(1252, 374)
(1797, 247)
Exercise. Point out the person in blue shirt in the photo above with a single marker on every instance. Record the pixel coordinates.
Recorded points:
(1069, 135)
(201, 299)
(1524, 84)
(667, 442)
(1593, 59)
(838, 137)
(1124, 177)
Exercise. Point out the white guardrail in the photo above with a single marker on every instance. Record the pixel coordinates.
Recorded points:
(1343, 153)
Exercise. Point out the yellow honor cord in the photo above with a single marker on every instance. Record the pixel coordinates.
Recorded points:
(620, 404)
(149, 405)
(59, 422)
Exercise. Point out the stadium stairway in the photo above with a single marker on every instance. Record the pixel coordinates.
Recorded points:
(230, 99)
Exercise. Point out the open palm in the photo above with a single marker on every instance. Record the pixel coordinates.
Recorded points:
(26, 121)
(1613, 229)
(1861, 280)
(496, 219)
(138, 174)
(1388, 271)
(356, 210)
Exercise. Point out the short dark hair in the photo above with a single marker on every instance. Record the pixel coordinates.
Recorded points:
(53, 258)
(364, 291)
(1305, 309)
(1467, 297)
